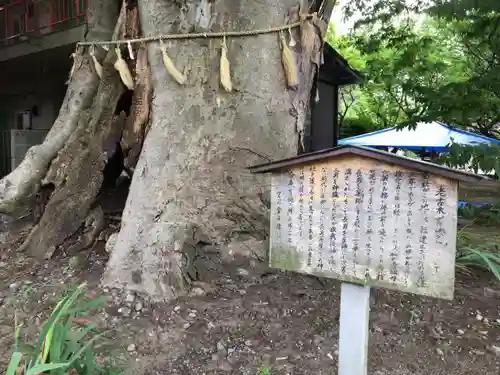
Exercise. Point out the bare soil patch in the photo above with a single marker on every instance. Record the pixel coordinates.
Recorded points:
(242, 322)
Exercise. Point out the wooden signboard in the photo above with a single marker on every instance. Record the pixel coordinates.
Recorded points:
(369, 218)
(359, 220)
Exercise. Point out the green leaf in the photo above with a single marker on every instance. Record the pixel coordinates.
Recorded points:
(90, 365)
(87, 306)
(81, 333)
(63, 343)
(480, 257)
(61, 308)
(41, 368)
(55, 349)
(84, 347)
(15, 360)
(72, 346)
(26, 348)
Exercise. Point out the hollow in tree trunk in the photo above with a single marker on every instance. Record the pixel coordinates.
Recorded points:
(191, 191)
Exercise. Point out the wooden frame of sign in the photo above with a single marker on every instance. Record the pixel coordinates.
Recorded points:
(369, 218)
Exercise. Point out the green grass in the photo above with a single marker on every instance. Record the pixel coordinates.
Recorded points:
(478, 248)
(478, 244)
(264, 370)
(65, 344)
(321, 324)
(483, 215)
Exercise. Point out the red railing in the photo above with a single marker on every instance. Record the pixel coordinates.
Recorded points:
(19, 19)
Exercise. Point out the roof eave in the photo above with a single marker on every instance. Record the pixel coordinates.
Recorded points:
(383, 156)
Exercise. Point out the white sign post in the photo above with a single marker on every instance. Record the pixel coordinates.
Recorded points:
(354, 329)
(367, 218)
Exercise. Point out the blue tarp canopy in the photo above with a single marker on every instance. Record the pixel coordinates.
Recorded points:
(431, 136)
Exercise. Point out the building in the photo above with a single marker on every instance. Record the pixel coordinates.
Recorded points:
(323, 128)
(37, 38)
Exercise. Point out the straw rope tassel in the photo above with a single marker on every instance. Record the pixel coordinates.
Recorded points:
(169, 65)
(289, 64)
(225, 72)
(122, 68)
(307, 43)
(98, 67)
(292, 42)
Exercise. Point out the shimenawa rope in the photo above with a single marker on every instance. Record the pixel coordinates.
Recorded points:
(220, 34)
(120, 65)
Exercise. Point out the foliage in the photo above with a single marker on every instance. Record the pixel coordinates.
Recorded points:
(482, 215)
(404, 75)
(432, 59)
(480, 159)
(264, 371)
(65, 345)
(474, 253)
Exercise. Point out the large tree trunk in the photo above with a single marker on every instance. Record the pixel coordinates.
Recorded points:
(18, 189)
(92, 154)
(191, 187)
(77, 172)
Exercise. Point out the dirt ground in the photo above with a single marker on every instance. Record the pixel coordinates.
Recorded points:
(239, 324)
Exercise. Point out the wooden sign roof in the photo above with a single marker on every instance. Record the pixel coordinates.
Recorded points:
(382, 156)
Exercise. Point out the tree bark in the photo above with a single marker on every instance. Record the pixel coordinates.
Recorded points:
(18, 189)
(136, 126)
(77, 172)
(191, 189)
